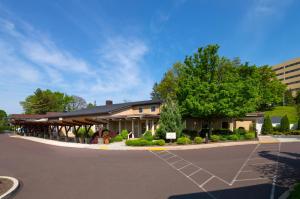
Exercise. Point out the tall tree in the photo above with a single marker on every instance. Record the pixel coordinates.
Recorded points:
(167, 87)
(43, 101)
(3, 118)
(267, 127)
(206, 90)
(288, 98)
(77, 103)
(170, 118)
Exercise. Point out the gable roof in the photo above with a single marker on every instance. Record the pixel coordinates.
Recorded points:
(105, 109)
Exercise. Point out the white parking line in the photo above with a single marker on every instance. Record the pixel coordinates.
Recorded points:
(248, 179)
(206, 181)
(194, 172)
(275, 176)
(242, 167)
(185, 166)
(170, 157)
(176, 162)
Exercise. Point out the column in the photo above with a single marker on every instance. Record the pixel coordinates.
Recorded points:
(119, 126)
(107, 125)
(147, 127)
(139, 129)
(132, 126)
(152, 127)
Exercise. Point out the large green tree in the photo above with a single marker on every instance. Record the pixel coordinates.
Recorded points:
(3, 118)
(43, 101)
(210, 87)
(167, 87)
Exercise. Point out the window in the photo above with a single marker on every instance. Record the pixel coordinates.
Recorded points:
(140, 110)
(225, 125)
(152, 108)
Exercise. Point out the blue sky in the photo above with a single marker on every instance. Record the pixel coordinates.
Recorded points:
(117, 49)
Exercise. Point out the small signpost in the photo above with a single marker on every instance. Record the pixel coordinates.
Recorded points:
(171, 136)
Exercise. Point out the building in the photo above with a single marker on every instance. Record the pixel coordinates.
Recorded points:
(289, 73)
(136, 117)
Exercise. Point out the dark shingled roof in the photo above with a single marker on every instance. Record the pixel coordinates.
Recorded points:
(105, 109)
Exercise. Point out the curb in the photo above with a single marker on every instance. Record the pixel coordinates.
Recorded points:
(13, 189)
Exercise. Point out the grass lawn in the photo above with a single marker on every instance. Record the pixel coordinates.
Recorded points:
(281, 111)
(295, 193)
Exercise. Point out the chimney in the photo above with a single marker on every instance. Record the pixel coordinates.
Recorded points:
(108, 102)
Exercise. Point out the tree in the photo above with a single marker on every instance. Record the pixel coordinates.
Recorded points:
(3, 118)
(298, 124)
(168, 85)
(43, 101)
(170, 119)
(288, 98)
(297, 98)
(91, 105)
(267, 127)
(284, 124)
(77, 103)
(210, 87)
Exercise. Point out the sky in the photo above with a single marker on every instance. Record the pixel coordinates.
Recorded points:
(116, 50)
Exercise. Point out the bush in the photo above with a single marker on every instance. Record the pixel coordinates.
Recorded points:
(267, 126)
(250, 136)
(233, 137)
(4, 128)
(138, 142)
(215, 138)
(198, 140)
(190, 133)
(159, 134)
(284, 124)
(222, 131)
(117, 138)
(223, 137)
(240, 131)
(124, 134)
(159, 142)
(148, 136)
(183, 140)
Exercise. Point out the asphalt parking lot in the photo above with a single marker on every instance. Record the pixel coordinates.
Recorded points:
(249, 171)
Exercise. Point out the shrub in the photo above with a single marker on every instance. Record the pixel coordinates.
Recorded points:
(124, 134)
(233, 137)
(198, 140)
(117, 138)
(148, 136)
(223, 137)
(240, 131)
(81, 132)
(215, 138)
(284, 124)
(267, 126)
(190, 133)
(159, 142)
(222, 131)
(160, 134)
(250, 136)
(138, 142)
(183, 140)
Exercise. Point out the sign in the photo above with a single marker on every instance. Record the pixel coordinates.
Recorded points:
(171, 135)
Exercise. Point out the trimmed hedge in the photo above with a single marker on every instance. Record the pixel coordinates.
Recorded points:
(160, 142)
(215, 138)
(143, 142)
(198, 140)
(148, 136)
(250, 136)
(184, 140)
(117, 138)
(234, 137)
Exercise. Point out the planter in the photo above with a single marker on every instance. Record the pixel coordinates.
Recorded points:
(87, 140)
(100, 140)
(106, 140)
(81, 140)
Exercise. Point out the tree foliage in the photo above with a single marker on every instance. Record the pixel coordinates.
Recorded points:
(267, 127)
(76, 103)
(288, 98)
(170, 119)
(43, 101)
(168, 85)
(284, 124)
(3, 118)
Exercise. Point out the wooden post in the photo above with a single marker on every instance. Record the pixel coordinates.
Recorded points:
(152, 127)
(147, 127)
(132, 126)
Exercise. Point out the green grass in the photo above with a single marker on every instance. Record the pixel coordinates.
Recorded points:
(295, 193)
(281, 111)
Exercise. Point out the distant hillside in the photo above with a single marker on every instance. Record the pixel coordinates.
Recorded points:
(280, 111)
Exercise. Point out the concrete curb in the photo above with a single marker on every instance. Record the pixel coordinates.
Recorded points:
(132, 148)
(13, 189)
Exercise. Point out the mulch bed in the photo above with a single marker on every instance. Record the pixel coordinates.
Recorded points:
(5, 185)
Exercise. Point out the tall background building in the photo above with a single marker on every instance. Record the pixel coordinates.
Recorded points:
(289, 73)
